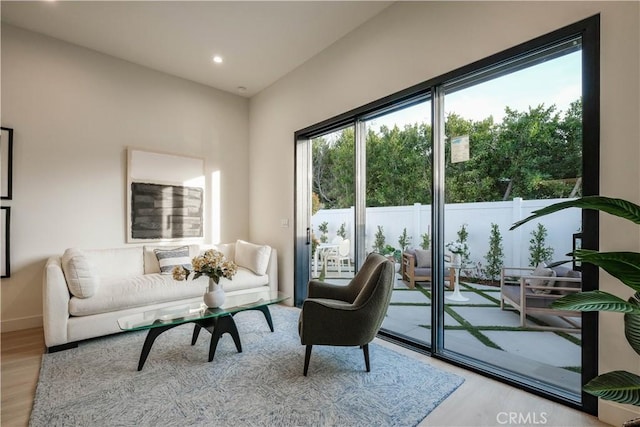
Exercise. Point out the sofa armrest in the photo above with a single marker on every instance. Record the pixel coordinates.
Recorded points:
(272, 270)
(55, 303)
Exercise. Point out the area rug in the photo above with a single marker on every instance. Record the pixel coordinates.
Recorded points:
(97, 384)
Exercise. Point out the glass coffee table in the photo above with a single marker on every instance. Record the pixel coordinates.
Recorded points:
(217, 321)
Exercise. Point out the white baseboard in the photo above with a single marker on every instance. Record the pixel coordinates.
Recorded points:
(615, 413)
(21, 323)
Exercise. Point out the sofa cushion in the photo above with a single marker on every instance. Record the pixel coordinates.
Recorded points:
(561, 271)
(118, 262)
(170, 258)
(137, 291)
(542, 271)
(423, 258)
(566, 284)
(253, 257)
(80, 273)
(422, 271)
(244, 279)
(151, 264)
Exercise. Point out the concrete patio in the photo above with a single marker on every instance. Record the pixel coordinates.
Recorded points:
(479, 328)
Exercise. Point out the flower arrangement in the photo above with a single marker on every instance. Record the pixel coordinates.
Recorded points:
(212, 264)
(455, 247)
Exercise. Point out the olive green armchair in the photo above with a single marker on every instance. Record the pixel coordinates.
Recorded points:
(348, 315)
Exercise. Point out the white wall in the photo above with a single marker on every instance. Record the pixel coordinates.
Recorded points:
(74, 112)
(413, 41)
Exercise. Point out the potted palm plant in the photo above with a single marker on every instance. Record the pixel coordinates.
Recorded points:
(617, 386)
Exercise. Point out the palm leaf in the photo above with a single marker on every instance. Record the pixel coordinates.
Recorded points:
(617, 386)
(624, 266)
(632, 324)
(594, 301)
(618, 207)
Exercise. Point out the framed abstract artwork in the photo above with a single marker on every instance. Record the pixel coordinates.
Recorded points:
(5, 228)
(165, 196)
(6, 163)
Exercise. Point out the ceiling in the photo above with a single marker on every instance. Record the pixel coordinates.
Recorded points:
(259, 41)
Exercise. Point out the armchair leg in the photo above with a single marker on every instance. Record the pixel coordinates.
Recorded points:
(365, 350)
(307, 356)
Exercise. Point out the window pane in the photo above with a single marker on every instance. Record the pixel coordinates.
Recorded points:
(514, 145)
(332, 204)
(398, 212)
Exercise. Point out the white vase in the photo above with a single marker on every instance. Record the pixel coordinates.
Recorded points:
(214, 296)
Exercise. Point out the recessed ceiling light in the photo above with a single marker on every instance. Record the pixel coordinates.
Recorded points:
(217, 59)
(242, 89)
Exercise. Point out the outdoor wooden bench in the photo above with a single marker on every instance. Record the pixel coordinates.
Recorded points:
(411, 273)
(517, 292)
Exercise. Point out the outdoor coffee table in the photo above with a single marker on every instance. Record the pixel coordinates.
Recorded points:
(217, 321)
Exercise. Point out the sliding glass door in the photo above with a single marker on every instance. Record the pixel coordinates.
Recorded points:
(332, 204)
(433, 177)
(398, 145)
(513, 145)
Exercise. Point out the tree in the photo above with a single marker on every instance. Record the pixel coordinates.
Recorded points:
(495, 255)
(426, 241)
(379, 244)
(342, 232)
(404, 239)
(463, 235)
(315, 203)
(324, 229)
(538, 251)
(531, 154)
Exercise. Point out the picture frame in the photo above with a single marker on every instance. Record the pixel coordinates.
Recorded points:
(577, 244)
(165, 197)
(6, 163)
(5, 228)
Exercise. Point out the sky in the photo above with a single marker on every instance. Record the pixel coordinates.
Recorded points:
(557, 81)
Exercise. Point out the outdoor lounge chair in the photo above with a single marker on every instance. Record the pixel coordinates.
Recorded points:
(415, 270)
(531, 291)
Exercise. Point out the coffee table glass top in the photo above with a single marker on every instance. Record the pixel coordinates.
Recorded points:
(184, 313)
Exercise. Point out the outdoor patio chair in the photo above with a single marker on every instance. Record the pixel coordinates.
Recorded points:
(532, 290)
(340, 255)
(416, 267)
(348, 315)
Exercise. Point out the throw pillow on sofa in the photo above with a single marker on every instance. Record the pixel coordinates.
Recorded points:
(542, 271)
(566, 284)
(170, 258)
(151, 264)
(423, 258)
(253, 257)
(80, 273)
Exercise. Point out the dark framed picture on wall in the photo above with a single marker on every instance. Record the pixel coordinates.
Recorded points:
(6, 163)
(165, 196)
(5, 220)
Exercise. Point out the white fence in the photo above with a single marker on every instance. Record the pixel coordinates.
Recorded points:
(478, 218)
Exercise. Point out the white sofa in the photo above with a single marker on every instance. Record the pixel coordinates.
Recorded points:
(127, 280)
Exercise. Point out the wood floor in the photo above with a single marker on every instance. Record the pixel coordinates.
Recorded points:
(478, 402)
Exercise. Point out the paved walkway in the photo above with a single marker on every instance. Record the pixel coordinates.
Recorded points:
(479, 328)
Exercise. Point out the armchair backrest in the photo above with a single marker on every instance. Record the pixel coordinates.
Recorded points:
(376, 285)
